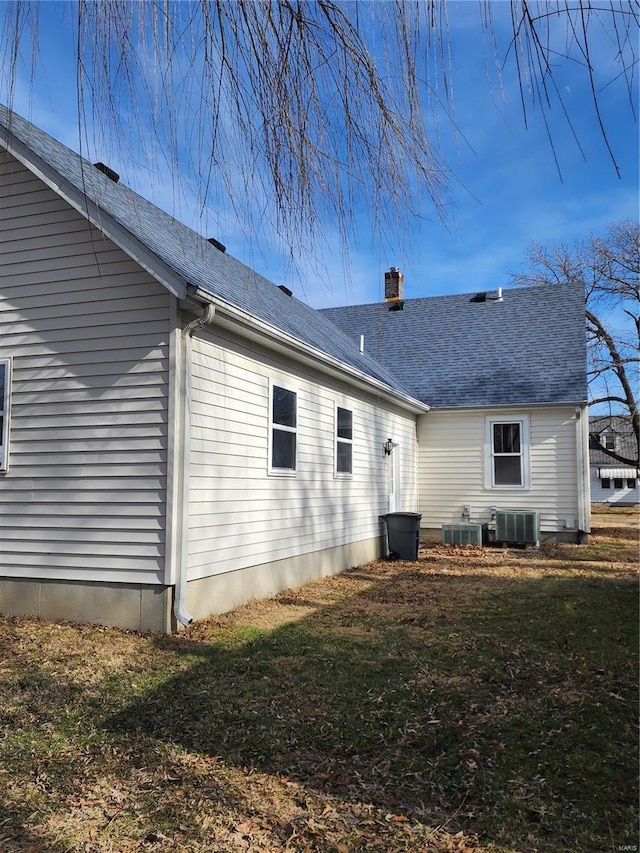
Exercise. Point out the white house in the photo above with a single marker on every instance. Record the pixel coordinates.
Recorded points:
(612, 480)
(504, 374)
(179, 435)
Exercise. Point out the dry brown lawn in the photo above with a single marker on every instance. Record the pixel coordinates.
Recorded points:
(479, 699)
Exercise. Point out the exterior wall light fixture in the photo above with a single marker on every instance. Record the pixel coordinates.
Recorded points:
(388, 446)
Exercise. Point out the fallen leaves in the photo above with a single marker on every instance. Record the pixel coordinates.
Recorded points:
(405, 707)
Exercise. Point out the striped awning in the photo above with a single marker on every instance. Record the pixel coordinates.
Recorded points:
(618, 473)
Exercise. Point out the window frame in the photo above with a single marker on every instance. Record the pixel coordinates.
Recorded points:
(605, 483)
(273, 426)
(340, 440)
(5, 415)
(632, 482)
(524, 454)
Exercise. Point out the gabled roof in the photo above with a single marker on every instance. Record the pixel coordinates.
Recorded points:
(179, 257)
(527, 348)
(621, 427)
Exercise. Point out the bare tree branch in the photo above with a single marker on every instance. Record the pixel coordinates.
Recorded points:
(609, 269)
(305, 110)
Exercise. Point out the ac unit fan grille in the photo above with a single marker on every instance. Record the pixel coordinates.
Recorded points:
(462, 534)
(518, 526)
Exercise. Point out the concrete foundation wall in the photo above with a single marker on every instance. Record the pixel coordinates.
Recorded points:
(150, 608)
(221, 593)
(130, 606)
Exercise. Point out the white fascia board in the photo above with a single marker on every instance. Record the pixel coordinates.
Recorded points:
(92, 211)
(275, 339)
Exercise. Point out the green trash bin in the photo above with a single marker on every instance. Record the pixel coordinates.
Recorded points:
(403, 534)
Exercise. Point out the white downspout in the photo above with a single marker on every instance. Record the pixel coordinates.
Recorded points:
(179, 609)
(584, 510)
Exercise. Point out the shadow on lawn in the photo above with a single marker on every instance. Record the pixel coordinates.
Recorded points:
(515, 708)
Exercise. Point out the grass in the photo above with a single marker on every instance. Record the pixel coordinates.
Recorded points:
(477, 700)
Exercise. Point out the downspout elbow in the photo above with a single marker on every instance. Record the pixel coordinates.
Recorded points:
(180, 610)
(205, 319)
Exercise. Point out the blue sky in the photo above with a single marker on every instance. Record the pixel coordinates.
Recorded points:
(508, 189)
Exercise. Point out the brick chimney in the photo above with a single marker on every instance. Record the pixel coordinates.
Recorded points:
(393, 285)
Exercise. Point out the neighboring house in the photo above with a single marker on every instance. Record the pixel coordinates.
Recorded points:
(504, 373)
(179, 435)
(613, 481)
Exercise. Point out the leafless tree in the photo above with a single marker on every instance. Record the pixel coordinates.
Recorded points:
(609, 269)
(309, 108)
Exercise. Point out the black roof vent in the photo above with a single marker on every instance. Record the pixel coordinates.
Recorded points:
(113, 176)
(285, 290)
(397, 306)
(488, 296)
(219, 246)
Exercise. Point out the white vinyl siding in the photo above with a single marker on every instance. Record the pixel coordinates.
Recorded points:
(452, 466)
(240, 516)
(88, 332)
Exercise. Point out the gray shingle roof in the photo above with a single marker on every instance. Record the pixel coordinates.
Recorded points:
(192, 257)
(451, 352)
(621, 427)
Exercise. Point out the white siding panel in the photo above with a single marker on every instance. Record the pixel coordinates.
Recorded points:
(451, 468)
(239, 515)
(88, 331)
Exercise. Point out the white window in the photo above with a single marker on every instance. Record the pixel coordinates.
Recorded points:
(507, 453)
(344, 441)
(609, 441)
(5, 390)
(283, 430)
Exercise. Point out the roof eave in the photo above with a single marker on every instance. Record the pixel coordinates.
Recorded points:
(524, 405)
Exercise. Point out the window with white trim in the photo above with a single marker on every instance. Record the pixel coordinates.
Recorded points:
(283, 430)
(344, 442)
(507, 452)
(5, 392)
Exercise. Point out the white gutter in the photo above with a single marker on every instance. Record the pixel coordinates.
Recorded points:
(275, 338)
(511, 406)
(180, 610)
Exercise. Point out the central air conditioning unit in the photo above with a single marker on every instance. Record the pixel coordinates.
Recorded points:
(519, 526)
(464, 533)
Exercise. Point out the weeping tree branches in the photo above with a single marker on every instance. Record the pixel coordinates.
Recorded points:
(609, 269)
(304, 110)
